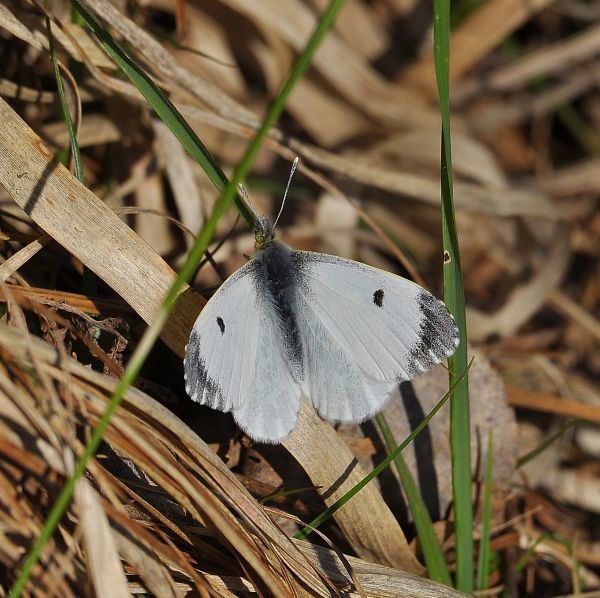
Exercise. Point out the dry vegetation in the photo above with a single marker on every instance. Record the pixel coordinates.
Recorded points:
(169, 506)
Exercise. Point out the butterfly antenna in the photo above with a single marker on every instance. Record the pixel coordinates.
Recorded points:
(244, 193)
(287, 187)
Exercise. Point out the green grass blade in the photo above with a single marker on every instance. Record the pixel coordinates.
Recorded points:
(454, 297)
(148, 339)
(529, 553)
(432, 550)
(63, 102)
(483, 566)
(90, 286)
(542, 447)
(340, 502)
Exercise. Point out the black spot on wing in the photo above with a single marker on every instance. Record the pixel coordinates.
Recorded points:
(378, 297)
(278, 276)
(221, 324)
(198, 383)
(438, 335)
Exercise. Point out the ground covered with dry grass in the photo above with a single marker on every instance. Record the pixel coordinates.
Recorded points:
(177, 500)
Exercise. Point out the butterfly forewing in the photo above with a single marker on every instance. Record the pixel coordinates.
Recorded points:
(364, 330)
(233, 361)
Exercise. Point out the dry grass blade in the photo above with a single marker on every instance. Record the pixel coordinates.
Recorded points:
(103, 559)
(171, 460)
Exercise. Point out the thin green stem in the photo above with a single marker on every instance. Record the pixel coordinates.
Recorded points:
(432, 550)
(484, 543)
(460, 427)
(63, 102)
(549, 441)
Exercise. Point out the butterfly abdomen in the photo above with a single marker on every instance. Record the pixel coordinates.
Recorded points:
(277, 279)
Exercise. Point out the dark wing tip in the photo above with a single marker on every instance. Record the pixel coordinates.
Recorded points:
(438, 335)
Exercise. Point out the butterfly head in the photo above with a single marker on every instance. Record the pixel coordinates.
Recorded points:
(264, 232)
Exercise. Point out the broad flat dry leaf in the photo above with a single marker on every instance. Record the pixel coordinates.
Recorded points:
(428, 457)
(366, 520)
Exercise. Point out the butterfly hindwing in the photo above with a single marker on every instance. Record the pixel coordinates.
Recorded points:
(233, 362)
(363, 331)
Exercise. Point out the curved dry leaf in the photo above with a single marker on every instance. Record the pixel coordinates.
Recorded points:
(376, 580)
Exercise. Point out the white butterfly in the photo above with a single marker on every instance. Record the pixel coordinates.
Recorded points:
(296, 323)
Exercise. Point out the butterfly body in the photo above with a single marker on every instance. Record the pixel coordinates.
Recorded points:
(292, 324)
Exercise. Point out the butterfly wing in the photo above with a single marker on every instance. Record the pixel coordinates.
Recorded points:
(233, 360)
(364, 330)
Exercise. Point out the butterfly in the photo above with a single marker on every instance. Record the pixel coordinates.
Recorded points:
(291, 324)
